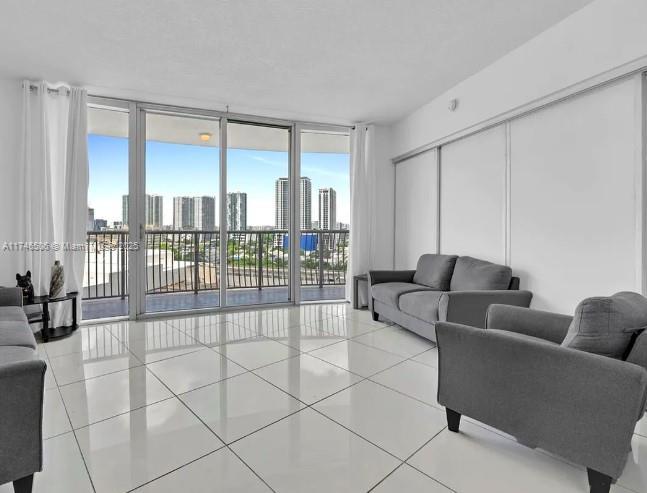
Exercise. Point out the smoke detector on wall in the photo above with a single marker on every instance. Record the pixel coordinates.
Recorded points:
(453, 104)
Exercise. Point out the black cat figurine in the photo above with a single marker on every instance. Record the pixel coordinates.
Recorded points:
(24, 282)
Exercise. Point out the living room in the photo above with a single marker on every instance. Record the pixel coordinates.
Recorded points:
(323, 246)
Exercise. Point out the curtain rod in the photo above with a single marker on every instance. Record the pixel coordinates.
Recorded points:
(50, 90)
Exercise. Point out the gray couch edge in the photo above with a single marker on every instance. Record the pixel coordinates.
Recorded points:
(22, 382)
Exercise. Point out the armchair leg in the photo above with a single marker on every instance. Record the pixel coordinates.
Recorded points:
(376, 316)
(453, 420)
(599, 483)
(23, 485)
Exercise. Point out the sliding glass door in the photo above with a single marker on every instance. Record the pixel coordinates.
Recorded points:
(325, 196)
(181, 212)
(105, 279)
(258, 212)
(194, 209)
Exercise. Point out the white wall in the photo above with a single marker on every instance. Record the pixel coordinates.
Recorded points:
(473, 196)
(567, 217)
(11, 197)
(573, 207)
(382, 152)
(601, 36)
(416, 209)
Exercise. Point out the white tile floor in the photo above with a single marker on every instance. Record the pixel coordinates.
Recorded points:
(310, 399)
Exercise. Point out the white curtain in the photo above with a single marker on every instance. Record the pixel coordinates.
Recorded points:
(363, 178)
(54, 179)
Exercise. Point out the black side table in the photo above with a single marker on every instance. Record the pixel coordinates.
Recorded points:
(48, 332)
(356, 280)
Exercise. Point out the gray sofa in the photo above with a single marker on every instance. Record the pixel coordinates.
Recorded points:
(443, 288)
(22, 380)
(574, 386)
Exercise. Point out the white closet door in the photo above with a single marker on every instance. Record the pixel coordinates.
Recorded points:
(573, 223)
(473, 196)
(416, 209)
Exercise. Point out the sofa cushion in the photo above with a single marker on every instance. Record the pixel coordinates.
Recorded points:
(13, 314)
(390, 292)
(435, 271)
(606, 325)
(16, 334)
(16, 354)
(474, 274)
(422, 305)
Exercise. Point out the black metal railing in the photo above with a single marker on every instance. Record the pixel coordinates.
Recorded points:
(185, 261)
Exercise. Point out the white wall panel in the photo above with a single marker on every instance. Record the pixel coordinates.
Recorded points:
(416, 209)
(473, 196)
(573, 205)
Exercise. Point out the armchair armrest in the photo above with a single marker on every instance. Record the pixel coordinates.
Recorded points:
(579, 405)
(536, 323)
(470, 307)
(10, 296)
(380, 276)
(22, 376)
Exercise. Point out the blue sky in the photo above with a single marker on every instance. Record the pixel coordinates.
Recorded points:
(178, 169)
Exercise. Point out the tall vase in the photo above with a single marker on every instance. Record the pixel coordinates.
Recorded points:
(57, 280)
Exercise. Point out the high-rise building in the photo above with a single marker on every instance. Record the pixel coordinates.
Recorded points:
(153, 210)
(204, 213)
(237, 211)
(306, 202)
(90, 223)
(281, 203)
(194, 213)
(327, 208)
(183, 213)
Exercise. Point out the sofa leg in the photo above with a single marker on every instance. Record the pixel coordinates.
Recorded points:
(376, 316)
(453, 420)
(599, 483)
(23, 485)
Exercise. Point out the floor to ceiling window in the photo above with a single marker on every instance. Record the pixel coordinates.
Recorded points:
(213, 224)
(325, 214)
(105, 280)
(258, 214)
(181, 209)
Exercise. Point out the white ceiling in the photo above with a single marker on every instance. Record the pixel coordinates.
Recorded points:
(329, 60)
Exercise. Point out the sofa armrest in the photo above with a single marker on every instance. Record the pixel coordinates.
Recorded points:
(536, 323)
(10, 296)
(380, 276)
(21, 416)
(579, 405)
(470, 307)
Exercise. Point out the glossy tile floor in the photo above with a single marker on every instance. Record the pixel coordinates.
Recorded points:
(311, 399)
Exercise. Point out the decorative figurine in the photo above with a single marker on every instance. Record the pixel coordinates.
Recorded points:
(24, 282)
(57, 280)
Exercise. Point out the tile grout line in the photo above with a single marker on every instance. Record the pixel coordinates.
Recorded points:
(407, 463)
(225, 445)
(78, 445)
(299, 353)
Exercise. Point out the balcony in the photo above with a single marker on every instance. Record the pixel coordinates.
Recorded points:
(183, 269)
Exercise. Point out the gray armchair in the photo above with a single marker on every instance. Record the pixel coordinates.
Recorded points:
(22, 375)
(443, 288)
(515, 376)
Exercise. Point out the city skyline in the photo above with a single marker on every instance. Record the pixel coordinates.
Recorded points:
(198, 175)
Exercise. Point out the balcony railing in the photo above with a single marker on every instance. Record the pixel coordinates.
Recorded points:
(185, 261)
